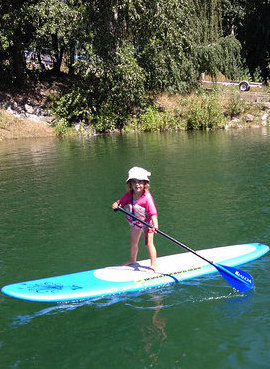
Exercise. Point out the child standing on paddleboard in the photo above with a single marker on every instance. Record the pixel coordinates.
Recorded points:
(139, 202)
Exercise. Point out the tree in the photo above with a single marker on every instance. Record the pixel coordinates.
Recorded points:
(161, 35)
(216, 49)
(57, 24)
(255, 36)
(15, 34)
(134, 46)
(50, 25)
(249, 20)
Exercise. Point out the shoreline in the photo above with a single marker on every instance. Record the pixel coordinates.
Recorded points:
(31, 119)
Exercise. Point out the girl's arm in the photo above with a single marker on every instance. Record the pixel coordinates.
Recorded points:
(154, 219)
(125, 199)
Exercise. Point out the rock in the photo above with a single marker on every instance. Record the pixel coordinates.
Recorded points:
(264, 118)
(29, 109)
(78, 127)
(249, 118)
(232, 123)
(13, 112)
(266, 105)
(31, 112)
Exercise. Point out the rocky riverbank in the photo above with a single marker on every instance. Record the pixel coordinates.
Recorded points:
(26, 114)
(13, 126)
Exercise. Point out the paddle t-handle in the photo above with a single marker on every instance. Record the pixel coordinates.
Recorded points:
(238, 279)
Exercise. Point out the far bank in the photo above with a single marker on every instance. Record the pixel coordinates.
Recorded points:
(205, 109)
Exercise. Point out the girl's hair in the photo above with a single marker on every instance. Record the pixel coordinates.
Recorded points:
(146, 186)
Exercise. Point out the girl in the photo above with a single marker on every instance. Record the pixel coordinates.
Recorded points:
(138, 201)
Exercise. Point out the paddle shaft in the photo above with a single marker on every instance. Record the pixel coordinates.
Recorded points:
(166, 235)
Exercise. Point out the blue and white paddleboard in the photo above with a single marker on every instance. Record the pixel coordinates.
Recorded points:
(119, 279)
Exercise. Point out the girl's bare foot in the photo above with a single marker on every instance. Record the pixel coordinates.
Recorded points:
(130, 262)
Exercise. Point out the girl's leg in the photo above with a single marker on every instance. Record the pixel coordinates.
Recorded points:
(149, 243)
(135, 234)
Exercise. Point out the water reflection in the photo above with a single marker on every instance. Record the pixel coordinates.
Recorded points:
(154, 333)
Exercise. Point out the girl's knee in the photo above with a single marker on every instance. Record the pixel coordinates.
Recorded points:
(150, 245)
(149, 238)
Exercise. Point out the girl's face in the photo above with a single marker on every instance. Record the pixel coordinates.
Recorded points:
(137, 186)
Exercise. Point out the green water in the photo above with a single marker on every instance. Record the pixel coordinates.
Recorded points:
(211, 189)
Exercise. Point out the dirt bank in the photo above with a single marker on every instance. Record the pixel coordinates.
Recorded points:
(25, 113)
(14, 127)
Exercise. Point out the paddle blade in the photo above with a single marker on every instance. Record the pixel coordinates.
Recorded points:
(238, 279)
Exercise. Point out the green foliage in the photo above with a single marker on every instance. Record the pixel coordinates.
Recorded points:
(228, 51)
(57, 25)
(205, 112)
(152, 120)
(200, 112)
(105, 120)
(246, 75)
(161, 32)
(15, 31)
(61, 127)
(114, 95)
(72, 107)
(214, 51)
(236, 106)
(121, 87)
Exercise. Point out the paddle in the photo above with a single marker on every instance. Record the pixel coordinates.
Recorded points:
(238, 279)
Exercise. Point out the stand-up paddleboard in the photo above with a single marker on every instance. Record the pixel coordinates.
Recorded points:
(119, 279)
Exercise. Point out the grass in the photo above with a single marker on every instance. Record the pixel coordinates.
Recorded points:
(210, 109)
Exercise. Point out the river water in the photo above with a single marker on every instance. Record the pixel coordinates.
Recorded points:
(211, 189)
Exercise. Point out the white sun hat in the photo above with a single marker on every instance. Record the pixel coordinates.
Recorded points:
(138, 173)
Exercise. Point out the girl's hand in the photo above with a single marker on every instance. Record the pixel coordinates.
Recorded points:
(115, 205)
(155, 229)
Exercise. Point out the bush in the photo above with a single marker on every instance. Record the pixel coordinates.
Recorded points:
(236, 106)
(205, 112)
(152, 119)
(105, 121)
(72, 107)
(61, 127)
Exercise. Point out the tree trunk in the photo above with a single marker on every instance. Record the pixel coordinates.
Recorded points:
(17, 65)
(71, 59)
(58, 53)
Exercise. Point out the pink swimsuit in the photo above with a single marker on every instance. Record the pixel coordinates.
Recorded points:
(144, 208)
